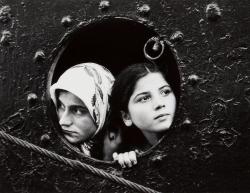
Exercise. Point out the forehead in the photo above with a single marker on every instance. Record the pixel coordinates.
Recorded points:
(69, 98)
(149, 82)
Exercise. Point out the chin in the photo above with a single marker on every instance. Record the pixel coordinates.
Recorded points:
(162, 128)
(71, 140)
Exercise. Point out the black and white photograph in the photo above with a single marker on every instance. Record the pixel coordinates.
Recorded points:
(124, 96)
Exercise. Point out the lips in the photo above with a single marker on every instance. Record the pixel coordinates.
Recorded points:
(161, 115)
(67, 131)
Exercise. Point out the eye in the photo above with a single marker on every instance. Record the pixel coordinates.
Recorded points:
(166, 91)
(60, 106)
(78, 110)
(143, 99)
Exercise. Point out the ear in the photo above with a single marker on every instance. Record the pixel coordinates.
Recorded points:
(126, 119)
(111, 135)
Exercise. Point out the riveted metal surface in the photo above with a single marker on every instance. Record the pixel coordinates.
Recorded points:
(207, 150)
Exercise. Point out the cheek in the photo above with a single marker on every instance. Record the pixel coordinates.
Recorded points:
(171, 103)
(59, 114)
(85, 125)
(139, 114)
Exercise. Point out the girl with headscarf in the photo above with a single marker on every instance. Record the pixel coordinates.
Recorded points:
(81, 96)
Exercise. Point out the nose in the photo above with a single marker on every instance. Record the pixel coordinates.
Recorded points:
(158, 103)
(65, 119)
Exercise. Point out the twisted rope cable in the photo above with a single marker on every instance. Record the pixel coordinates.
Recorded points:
(76, 164)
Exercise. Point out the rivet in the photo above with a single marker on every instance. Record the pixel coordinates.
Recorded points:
(32, 99)
(186, 123)
(5, 14)
(39, 56)
(66, 21)
(177, 36)
(104, 5)
(45, 139)
(144, 9)
(193, 79)
(213, 12)
(6, 37)
(219, 108)
(201, 21)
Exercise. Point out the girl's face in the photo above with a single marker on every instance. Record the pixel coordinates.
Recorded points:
(152, 105)
(75, 120)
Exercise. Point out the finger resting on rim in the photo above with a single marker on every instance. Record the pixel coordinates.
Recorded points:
(132, 157)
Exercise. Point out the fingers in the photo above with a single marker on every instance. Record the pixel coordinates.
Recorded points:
(115, 156)
(127, 159)
(132, 157)
(121, 160)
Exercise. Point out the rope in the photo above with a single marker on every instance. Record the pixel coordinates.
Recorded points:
(76, 164)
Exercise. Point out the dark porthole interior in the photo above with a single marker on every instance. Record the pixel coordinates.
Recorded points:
(114, 43)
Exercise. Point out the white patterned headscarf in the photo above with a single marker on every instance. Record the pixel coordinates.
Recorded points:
(91, 83)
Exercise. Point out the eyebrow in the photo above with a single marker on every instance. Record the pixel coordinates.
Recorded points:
(73, 105)
(166, 85)
(147, 92)
(78, 106)
(141, 93)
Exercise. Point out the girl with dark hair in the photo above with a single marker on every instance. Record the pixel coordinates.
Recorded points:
(143, 104)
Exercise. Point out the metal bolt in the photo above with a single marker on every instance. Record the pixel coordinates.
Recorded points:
(6, 37)
(193, 79)
(5, 14)
(45, 139)
(104, 5)
(177, 36)
(186, 123)
(39, 56)
(213, 12)
(144, 9)
(67, 21)
(32, 99)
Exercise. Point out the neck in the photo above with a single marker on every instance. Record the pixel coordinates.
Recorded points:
(152, 138)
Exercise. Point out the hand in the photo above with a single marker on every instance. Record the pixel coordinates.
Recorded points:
(127, 159)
